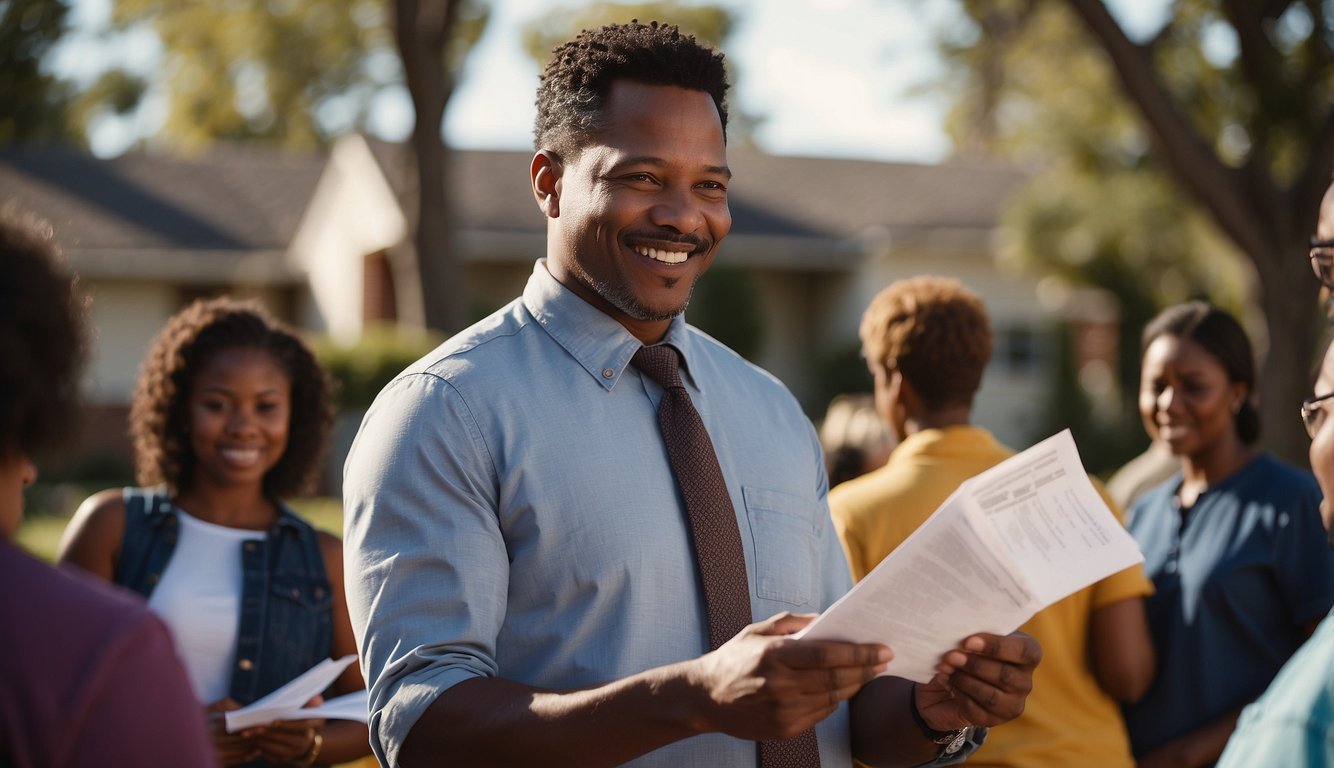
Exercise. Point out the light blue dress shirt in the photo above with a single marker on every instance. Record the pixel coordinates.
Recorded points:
(1292, 725)
(511, 512)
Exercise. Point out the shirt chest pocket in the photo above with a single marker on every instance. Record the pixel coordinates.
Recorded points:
(785, 533)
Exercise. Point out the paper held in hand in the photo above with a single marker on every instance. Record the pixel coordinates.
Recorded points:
(1008, 543)
(287, 702)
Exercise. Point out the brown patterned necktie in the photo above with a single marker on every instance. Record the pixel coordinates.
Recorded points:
(713, 529)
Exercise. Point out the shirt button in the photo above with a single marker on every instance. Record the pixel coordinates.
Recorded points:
(245, 665)
(152, 578)
(250, 546)
(1170, 566)
(608, 373)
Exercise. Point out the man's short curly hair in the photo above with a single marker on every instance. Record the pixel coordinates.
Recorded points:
(578, 77)
(43, 341)
(159, 415)
(935, 332)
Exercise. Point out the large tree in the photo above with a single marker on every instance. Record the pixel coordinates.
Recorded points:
(301, 72)
(434, 37)
(1230, 100)
(34, 104)
(292, 72)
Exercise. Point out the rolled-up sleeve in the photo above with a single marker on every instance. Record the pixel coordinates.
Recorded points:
(426, 564)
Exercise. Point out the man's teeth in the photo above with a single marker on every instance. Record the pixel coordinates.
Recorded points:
(668, 257)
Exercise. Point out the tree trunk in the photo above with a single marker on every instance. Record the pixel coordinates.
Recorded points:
(1267, 222)
(422, 31)
(1289, 294)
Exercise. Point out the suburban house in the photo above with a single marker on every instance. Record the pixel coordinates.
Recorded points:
(322, 239)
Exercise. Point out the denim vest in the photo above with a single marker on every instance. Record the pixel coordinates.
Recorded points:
(286, 605)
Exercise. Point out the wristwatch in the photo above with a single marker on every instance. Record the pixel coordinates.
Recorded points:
(950, 741)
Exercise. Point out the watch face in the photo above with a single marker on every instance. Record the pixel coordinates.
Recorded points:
(955, 744)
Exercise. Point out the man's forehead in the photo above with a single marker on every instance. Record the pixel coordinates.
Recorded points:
(651, 125)
(648, 107)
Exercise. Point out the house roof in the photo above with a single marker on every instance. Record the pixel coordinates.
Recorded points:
(234, 209)
(770, 195)
(228, 197)
(200, 215)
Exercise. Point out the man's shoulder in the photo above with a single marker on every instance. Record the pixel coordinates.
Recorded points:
(717, 357)
(87, 602)
(921, 473)
(1290, 723)
(487, 342)
(881, 488)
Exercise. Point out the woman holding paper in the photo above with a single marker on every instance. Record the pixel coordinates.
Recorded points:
(230, 415)
(1232, 541)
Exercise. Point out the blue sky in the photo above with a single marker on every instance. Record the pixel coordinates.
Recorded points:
(833, 78)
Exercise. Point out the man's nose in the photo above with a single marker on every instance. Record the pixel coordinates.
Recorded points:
(678, 209)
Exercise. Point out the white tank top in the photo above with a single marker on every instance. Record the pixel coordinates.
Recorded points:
(199, 598)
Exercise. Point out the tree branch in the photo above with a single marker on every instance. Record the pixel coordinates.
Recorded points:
(1191, 159)
(1254, 46)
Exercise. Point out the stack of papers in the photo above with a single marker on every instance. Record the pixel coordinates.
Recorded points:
(1008, 543)
(287, 703)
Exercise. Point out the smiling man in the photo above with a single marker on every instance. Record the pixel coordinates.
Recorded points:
(543, 567)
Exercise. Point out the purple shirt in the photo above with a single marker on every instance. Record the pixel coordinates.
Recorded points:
(88, 675)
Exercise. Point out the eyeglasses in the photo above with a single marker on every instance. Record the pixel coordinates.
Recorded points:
(1322, 261)
(1312, 413)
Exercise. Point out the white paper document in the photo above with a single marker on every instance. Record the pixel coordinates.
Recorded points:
(287, 702)
(1008, 543)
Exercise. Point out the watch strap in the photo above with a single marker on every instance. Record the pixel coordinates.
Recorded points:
(951, 741)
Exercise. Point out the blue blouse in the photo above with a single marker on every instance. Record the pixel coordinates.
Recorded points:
(1236, 577)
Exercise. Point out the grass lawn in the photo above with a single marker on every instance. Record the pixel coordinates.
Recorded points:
(40, 534)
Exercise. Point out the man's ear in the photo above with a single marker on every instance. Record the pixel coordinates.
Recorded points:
(545, 175)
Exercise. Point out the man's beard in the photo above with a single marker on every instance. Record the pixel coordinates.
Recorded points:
(623, 298)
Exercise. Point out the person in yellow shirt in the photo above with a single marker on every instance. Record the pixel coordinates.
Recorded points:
(927, 341)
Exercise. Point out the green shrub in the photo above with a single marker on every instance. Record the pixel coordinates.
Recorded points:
(361, 370)
(726, 304)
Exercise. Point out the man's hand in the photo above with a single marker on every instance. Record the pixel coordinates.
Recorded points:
(763, 685)
(985, 683)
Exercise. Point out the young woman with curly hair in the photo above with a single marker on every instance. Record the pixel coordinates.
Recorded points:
(230, 415)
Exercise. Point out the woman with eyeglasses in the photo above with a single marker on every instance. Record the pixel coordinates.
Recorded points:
(1231, 541)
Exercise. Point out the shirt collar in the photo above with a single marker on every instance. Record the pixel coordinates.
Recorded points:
(600, 344)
